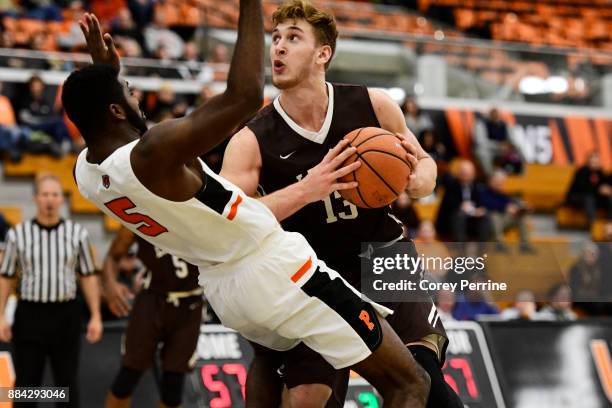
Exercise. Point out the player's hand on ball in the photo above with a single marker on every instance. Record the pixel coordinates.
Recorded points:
(414, 183)
(6, 334)
(322, 180)
(101, 47)
(94, 329)
(118, 296)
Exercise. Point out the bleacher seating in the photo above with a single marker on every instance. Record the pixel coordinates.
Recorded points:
(12, 214)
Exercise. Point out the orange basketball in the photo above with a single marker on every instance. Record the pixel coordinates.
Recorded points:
(384, 170)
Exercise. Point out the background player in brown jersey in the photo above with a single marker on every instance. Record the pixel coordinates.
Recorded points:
(167, 310)
(292, 151)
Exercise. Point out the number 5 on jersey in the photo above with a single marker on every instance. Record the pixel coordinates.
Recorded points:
(149, 226)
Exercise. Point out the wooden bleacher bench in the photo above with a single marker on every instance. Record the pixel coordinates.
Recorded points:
(427, 211)
(597, 230)
(12, 214)
(542, 186)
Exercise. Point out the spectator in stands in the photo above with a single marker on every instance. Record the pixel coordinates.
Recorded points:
(9, 132)
(461, 211)
(587, 281)
(73, 37)
(429, 246)
(591, 189)
(167, 104)
(473, 303)
(35, 111)
(158, 33)
(524, 307)
(433, 146)
(445, 303)
(41, 10)
(560, 307)
(123, 25)
(492, 144)
(416, 120)
(142, 11)
(403, 209)
(505, 211)
(219, 54)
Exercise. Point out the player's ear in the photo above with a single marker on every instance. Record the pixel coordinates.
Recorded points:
(324, 55)
(117, 111)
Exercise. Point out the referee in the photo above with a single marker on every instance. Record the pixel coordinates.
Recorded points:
(46, 254)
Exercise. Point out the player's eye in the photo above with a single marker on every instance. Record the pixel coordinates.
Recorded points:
(293, 37)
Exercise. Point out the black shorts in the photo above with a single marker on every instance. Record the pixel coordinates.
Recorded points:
(154, 320)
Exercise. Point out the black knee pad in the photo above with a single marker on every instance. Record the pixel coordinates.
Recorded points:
(125, 382)
(171, 388)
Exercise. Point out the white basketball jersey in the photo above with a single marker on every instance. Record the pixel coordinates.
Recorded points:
(220, 224)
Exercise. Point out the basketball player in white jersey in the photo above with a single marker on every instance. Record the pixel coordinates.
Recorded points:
(262, 281)
(279, 154)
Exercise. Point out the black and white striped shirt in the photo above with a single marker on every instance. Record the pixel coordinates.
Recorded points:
(47, 259)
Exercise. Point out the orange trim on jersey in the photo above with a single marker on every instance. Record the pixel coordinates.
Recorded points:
(457, 127)
(296, 276)
(234, 209)
(603, 363)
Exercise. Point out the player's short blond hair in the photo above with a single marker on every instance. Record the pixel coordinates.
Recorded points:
(324, 24)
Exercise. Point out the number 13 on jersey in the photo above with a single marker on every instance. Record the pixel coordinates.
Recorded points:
(329, 208)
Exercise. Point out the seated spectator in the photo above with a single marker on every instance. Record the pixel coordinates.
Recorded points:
(473, 303)
(429, 246)
(445, 303)
(72, 38)
(416, 120)
(157, 33)
(123, 25)
(524, 307)
(9, 133)
(167, 105)
(142, 11)
(219, 54)
(492, 144)
(560, 307)
(590, 189)
(505, 211)
(461, 211)
(432, 146)
(35, 111)
(587, 281)
(403, 209)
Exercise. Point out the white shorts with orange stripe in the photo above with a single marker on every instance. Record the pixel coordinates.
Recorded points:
(283, 295)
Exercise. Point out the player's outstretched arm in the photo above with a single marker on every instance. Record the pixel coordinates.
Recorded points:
(116, 294)
(181, 140)
(101, 47)
(390, 117)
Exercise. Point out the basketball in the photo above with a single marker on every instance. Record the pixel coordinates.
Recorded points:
(384, 170)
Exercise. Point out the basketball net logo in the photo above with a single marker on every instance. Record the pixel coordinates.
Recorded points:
(603, 363)
(106, 181)
(365, 317)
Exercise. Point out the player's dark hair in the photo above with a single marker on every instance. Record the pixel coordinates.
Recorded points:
(323, 23)
(86, 95)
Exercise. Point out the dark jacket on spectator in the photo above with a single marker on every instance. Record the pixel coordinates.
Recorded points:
(494, 200)
(452, 200)
(586, 182)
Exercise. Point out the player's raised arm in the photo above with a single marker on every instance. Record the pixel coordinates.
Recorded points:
(181, 140)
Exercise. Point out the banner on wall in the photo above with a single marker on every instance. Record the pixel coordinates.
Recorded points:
(541, 140)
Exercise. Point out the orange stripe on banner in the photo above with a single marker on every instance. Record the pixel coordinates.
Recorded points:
(603, 132)
(457, 129)
(234, 209)
(603, 362)
(559, 153)
(296, 276)
(581, 138)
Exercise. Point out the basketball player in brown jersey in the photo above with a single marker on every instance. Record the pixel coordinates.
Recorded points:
(167, 310)
(292, 151)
